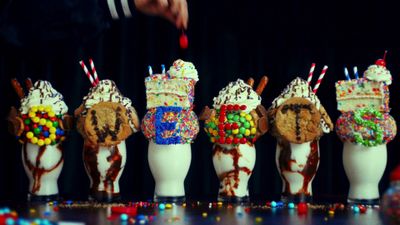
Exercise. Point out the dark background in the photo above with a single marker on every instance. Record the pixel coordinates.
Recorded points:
(228, 40)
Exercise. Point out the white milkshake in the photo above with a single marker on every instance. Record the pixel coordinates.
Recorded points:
(41, 131)
(170, 125)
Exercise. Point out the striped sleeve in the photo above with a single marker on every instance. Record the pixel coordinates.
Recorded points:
(118, 9)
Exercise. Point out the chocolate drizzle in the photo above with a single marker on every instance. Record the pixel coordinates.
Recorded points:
(90, 154)
(37, 171)
(310, 169)
(230, 180)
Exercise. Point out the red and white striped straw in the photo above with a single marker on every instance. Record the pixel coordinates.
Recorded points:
(311, 73)
(87, 73)
(96, 78)
(320, 79)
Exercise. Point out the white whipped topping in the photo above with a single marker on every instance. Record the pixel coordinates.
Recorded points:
(182, 69)
(42, 93)
(107, 91)
(239, 93)
(297, 88)
(378, 73)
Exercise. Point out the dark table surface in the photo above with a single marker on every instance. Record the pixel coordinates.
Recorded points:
(194, 213)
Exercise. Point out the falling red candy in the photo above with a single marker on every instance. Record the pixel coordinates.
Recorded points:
(183, 41)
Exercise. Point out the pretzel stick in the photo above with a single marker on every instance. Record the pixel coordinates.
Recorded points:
(17, 88)
(28, 83)
(261, 85)
(250, 82)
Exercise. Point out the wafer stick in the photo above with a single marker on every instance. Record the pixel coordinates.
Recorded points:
(250, 82)
(17, 88)
(28, 83)
(261, 85)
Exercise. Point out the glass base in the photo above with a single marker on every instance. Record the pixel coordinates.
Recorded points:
(169, 199)
(234, 199)
(102, 196)
(371, 202)
(42, 198)
(296, 198)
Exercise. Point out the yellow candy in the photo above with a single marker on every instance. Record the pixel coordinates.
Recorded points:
(247, 132)
(29, 135)
(41, 108)
(210, 130)
(253, 130)
(242, 114)
(215, 133)
(235, 131)
(52, 130)
(34, 140)
(40, 142)
(168, 206)
(52, 137)
(34, 109)
(31, 114)
(36, 119)
(212, 140)
(251, 123)
(42, 122)
(49, 124)
(47, 141)
(248, 117)
(47, 108)
(51, 114)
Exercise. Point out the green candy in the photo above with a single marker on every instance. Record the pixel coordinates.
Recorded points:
(55, 124)
(27, 121)
(36, 131)
(230, 116)
(239, 135)
(236, 118)
(212, 125)
(242, 119)
(242, 130)
(246, 125)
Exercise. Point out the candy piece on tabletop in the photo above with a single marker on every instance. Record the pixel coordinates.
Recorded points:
(302, 208)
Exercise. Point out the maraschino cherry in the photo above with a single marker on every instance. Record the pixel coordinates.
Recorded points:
(381, 62)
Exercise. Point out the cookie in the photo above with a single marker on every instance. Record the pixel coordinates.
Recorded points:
(297, 120)
(107, 124)
(325, 117)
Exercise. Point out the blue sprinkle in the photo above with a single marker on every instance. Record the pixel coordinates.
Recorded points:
(279, 204)
(124, 217)
(141, 217)
(273, 204)
(161, 206)
(291, 205)
(10, 221)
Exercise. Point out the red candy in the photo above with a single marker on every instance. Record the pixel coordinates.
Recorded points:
(183, 41)
(243, 141)
(362, 208)
(222, 119)
(221, 126)
(236, 107)
(121, 209)
(228, 141)
(380, 62)
(243, 107)
(236, 140)
(221, 133)
(235, 126)
(230, 107)
(223, 107)
(228, 126)
(222, 140)
(302, 208)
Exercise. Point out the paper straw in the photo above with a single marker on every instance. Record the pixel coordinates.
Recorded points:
(162, 68)
(346, 73)
(310, 74)
(96, 78)
(323, 72)
(150, 70)
(87, 72)
(355, 72)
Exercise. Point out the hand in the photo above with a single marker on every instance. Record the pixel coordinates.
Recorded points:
(176, 11)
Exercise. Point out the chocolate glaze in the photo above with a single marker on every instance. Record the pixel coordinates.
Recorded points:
(308, 172)
(90, 155)
(36, 171)
(232, 175)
